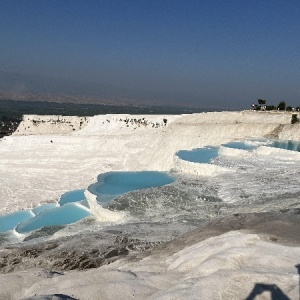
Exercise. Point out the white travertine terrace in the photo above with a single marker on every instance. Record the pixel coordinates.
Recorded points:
(47, 157)
(202, 169)
(43, 161)
(48, 124)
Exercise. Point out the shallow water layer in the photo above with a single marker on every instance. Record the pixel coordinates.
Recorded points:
(10, 221)
(287, 145)
(112, 184)
(240, 145)
(254, 143)
(66, 214)
(72, 196)
(41, 208)
(200, 155)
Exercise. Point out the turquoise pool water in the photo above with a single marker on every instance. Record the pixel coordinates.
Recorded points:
(287, 145)
(240, 145)
(66, 214)
(73, 206)
(116, 183)
(281, 144)
(41, 208)
(10, 221)
(200, 155)
(72, 196)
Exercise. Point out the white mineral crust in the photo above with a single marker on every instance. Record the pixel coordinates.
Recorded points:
(50, 155)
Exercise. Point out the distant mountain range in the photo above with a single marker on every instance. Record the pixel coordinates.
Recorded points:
(16, 86)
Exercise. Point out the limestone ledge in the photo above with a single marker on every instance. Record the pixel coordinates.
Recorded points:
(57, 124)
(50, 124)
(201, 169)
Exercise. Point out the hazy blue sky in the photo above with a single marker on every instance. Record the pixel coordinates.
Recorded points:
(206, 53)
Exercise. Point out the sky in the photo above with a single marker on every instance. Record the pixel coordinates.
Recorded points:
(212, 53)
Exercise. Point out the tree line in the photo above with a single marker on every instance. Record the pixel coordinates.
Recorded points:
(262, 105)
